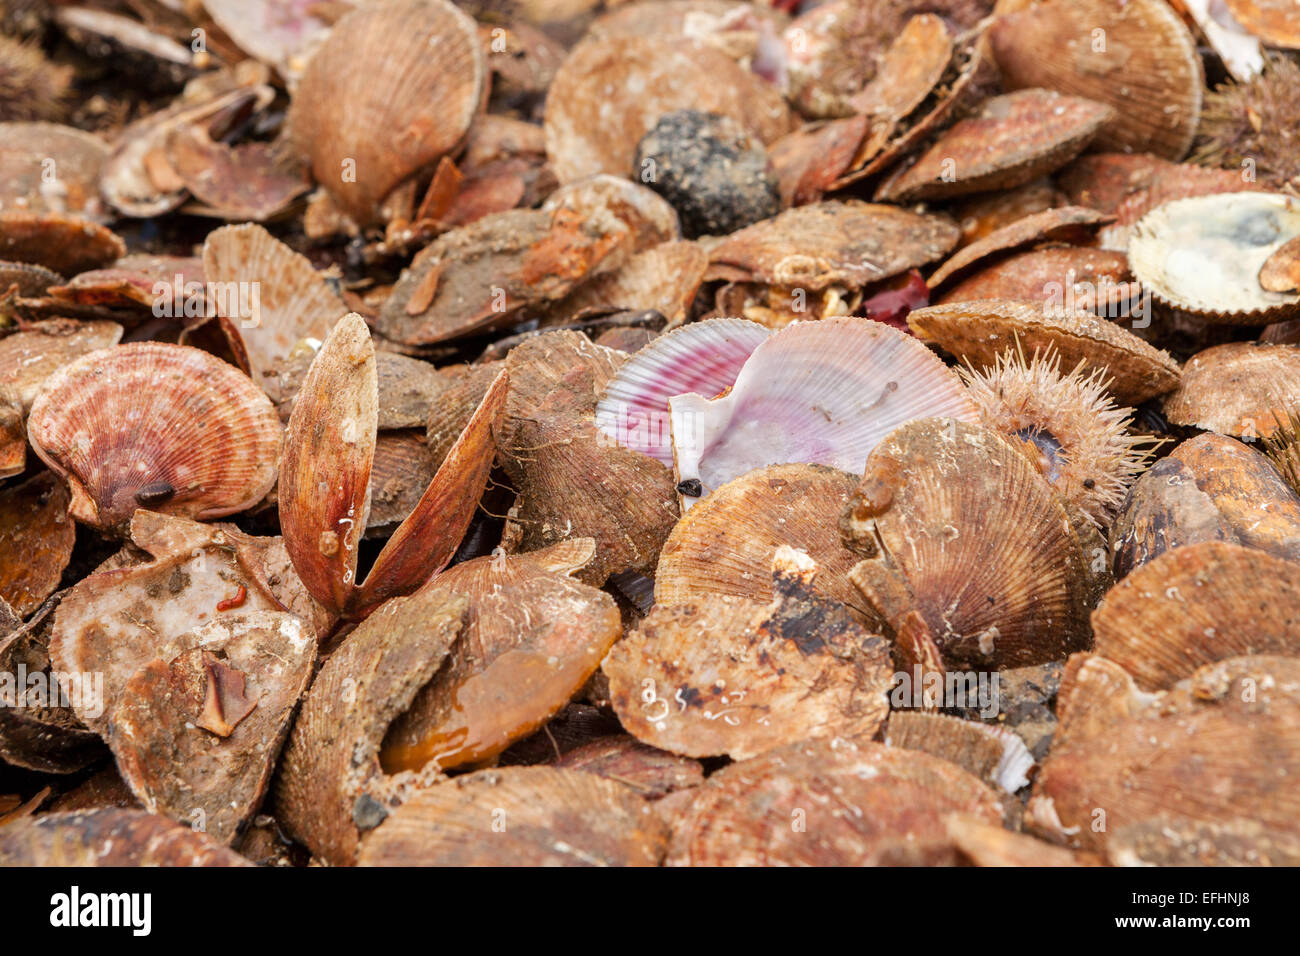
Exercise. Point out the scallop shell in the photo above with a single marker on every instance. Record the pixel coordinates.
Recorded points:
(278, 33)
(1203, 255)
(1276, 22)
(30, 280)
(663, 279)
(992, 754)
(1093, 280)
(726, 545)
(13, 436)
(1012, 140)
(1134, 55)
(989, 593)
(1243, 389)
(394, 86)
(983, 844)
(46, 167)
(730, 676)
(1210, 488)
(621, 757)
(648, 216)
(609, 93)
(401, 470)
(36, 539)
(544, 817)
(1196, 605)
(64, 244)
(981, 215)
(249, 181)
(980, 331)
(867, 804)
(703, 357)
(822, 392)
(138, 283)
(165, 427)
(1220, 747)
(110, 838)
(29, 357)
(916, 60)
(809, 161)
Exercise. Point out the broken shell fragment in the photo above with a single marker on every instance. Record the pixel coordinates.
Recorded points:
(151, 425)
(520, 816)
(1195, 605)
(858, 803)
(1243, 389)
(979, 331)
(730, 676)
(112, 838)
(36, 539)
(822, 392)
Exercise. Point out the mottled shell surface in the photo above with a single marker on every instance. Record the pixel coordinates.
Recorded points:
(1243, 389)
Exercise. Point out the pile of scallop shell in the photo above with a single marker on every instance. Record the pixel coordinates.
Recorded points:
(650, 432)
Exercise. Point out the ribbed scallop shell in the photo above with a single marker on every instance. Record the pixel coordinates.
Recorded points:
(1135, 55)
(1243, 388)
(394, 86)
(1203, 255)
(703, 357)
(664, 278)
(823, 392)
(148, 417)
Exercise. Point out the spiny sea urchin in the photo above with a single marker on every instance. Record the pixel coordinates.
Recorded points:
(1257, 121)
(1283, 448)
(1083, 446)
(31, 87)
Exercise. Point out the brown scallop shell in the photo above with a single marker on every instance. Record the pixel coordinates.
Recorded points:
(330, 788)
(112, 838)
(1157, 841)
(36, 539)
(393, 87)
(1221, 746)
(826, 803)
(117, 620)
(1195, 605)
(649, 217)
(158, 426)
(609, 93)
(809, 160)
(1281, 273)
(295, 304)
(401, 470)
(136, 283)
(730, 676)
(1134, 55)
(450, 410)
(725, 544)
(66, 244)
(916, 60)
(102, 790)
(13, 434)
(532, 638)
(408, 388)
(664, 278)
(46, 167)
(982, 844)
(991, 753)
(520, 816)
(622, 758)
(1210, 488)
(846, 243)
(1275, 22)
(1243, 389)
(1094, 280)
(988, 593)
(28, 279)
(249, 181)
(30, 356)
(979, 331)
(199, 727)
(1012, 140)
(982, 215)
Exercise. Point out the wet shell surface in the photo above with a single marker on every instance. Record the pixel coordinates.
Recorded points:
(1137, 56)
(30, 356)
(820, 392)
(163, 427)
(979, 331)
(1196, 605)
(1203, 255)
(1243, 388)
(860, 804)
(394, 86)
(111, 838)
(36, 539)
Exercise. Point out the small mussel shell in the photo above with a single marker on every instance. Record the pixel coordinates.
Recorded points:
(995, 585)
(165, 427)
(729, 676)
(520, 816)
(394, 86)
(1243, 389)
(46, 167)
(609, 92)
(981, 330)
(1210, 488)
(1134, 55)
(109, 837)
(1202, 256)
(1221, 746)
(856, 803)
(63, 243)
(1012, 140)
(1196, 605)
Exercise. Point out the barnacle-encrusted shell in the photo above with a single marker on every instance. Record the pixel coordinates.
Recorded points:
(394, 86)
(165, 427)
(1203, 255)
(1242, 388)
(980, 331)
(821, 392)
(1195, 605)
(974, 539)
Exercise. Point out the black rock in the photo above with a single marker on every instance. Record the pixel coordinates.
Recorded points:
(712, 172)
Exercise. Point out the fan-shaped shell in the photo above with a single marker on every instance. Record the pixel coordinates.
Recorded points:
(112, 838)
(822, 392)
(46, 167)
(1135, 55)
(394, 86)
(1203, 255)
(1078, 277)
(164, 427)
(980, 331)
(277, 32)
(1056, 224)
(1242, 388)
(664, 279)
